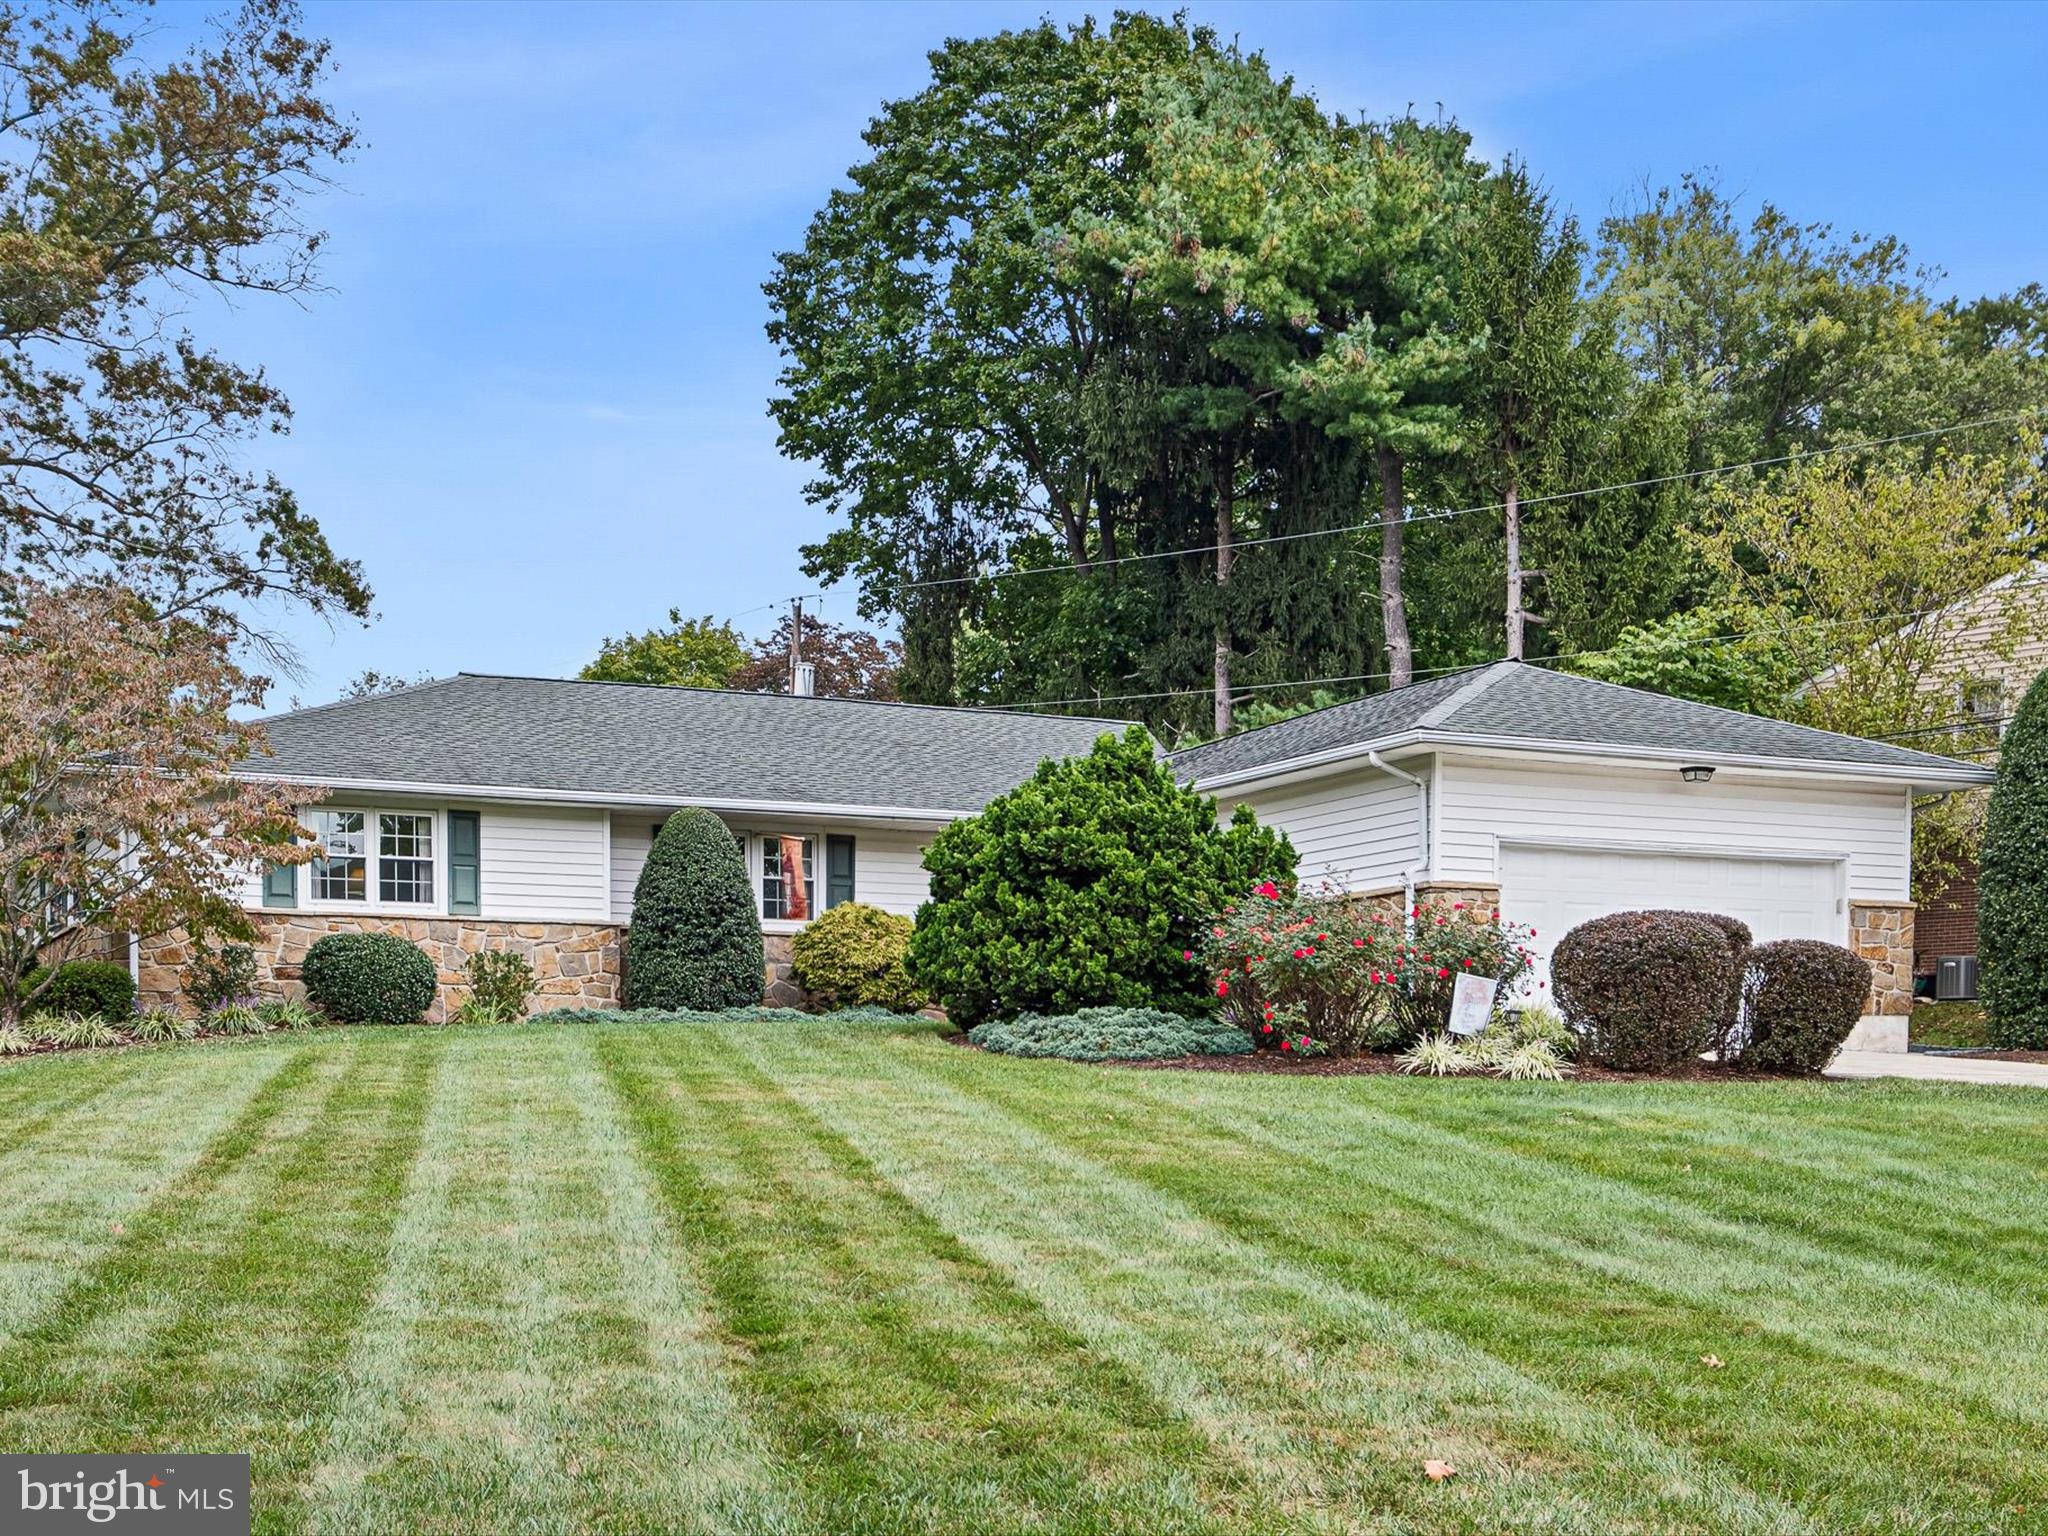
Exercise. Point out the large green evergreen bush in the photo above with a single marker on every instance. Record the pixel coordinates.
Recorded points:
(695, 939)
(1087, 885)
(97, 989)
(366, 978)
(2012, 882)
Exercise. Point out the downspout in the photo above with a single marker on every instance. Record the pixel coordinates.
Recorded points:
(1421, 831)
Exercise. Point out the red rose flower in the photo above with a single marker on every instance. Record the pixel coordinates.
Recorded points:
(1286, 1045)
(1441, 974)
(1222, 987)
(1268, 889)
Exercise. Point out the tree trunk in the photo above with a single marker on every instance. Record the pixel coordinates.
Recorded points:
(1393, 605)
(1226, 478)
(1513, 524)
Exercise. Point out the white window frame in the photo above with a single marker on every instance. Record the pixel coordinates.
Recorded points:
(373, 859)
(757, 867)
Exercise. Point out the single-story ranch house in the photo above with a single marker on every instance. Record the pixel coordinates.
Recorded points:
(482, 810)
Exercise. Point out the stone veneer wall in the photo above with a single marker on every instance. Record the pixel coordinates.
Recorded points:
(1883, 935)
(575, 965)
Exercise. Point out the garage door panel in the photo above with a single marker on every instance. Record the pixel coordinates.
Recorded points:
(1556, 889)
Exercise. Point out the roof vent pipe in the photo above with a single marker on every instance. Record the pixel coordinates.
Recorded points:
(804, 682)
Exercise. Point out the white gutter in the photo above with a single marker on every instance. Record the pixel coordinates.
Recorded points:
(1421, 834)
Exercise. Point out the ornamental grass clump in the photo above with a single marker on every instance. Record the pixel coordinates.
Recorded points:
(1346, 973)
(1112, 1034)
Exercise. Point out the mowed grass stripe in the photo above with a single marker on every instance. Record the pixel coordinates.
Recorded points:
(216, 1322)
(1332, 1394)
(1525, 1270)
(536, 1358)
(115, 1136)
(911, 1385)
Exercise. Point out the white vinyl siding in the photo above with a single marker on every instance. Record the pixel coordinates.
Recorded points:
(1482, 803)
(888, 862)
(544, 864)
(1358, 829)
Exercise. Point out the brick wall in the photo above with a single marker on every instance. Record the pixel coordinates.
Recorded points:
(1947, 925)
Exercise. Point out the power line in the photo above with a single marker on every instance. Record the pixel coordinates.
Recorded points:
(1367, 677)
(1493, 506)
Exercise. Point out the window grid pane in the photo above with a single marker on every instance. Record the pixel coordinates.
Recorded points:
(405, 858)
(773, 900)
(341, 873)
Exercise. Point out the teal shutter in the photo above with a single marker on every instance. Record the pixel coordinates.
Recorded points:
(280, 885)
(465, 863)
(838, 870)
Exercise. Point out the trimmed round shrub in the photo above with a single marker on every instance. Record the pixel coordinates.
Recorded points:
(695, 938)
(1112, 1034)
(2012, 882)
(853, 954)
(1739, 937)
(369, 978)
(1086, 886)
(1800, 999)
(93, 989)
(1644, 991)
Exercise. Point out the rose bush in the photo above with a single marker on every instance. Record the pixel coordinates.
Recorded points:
(1323, 967)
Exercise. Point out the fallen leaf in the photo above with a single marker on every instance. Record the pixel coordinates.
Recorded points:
(1712, 1362)
(116, 1228)
(1437, 1471)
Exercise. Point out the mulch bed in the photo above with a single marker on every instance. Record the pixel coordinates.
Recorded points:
(1279, 1064)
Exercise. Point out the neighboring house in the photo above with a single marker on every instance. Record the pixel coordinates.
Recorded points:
(491, 811)
(494, 811)
(1556, 798)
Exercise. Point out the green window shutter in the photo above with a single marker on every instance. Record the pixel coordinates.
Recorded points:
(280, 885)
(838, 870)
(465, 863)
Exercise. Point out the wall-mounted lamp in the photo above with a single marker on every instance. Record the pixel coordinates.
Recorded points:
(1696, 774)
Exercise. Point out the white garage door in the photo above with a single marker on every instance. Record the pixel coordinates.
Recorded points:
(1556, 889)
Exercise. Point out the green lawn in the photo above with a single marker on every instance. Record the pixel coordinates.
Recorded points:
(840, 1279)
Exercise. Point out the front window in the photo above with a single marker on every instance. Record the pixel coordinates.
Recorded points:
(789, 877)
(405, 857)
(385, 856)
(342, 871)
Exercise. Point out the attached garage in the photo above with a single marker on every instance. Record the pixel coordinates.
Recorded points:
(1554, 889)
(1558, 799)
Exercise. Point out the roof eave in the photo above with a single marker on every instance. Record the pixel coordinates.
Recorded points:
(599, 800)
(1931, 775)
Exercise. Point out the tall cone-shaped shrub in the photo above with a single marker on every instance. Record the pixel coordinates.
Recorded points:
(2012, 882)
(695, 940)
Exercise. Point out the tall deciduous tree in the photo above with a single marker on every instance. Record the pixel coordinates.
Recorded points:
(849, 663)
(127, 187)
(689, 653)
(117, 809)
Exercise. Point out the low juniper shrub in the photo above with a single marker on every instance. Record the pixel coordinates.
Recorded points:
(1111, 1034)
(1645, 991)
(1800, 999)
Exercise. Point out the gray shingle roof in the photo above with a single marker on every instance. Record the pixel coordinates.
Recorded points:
(1542, 706)
(681, 744)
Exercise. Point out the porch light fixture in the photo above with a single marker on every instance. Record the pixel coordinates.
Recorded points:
(1696, 774)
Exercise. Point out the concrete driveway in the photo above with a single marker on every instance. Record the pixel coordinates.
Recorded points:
(1938, 1067)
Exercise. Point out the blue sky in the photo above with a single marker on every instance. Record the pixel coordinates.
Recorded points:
(532, 399)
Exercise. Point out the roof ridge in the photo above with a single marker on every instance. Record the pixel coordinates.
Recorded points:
(1365, 698)
(366, 698)
(804, 698)
(1463, 694)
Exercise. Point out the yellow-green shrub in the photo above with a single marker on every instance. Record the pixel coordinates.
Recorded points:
(852, 955)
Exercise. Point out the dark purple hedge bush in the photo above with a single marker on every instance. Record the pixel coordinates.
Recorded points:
(1736, 931)
(1645, 991)
(1800, 999)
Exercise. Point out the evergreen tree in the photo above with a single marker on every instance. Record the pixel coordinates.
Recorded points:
(695, 938)
(2012, 885)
